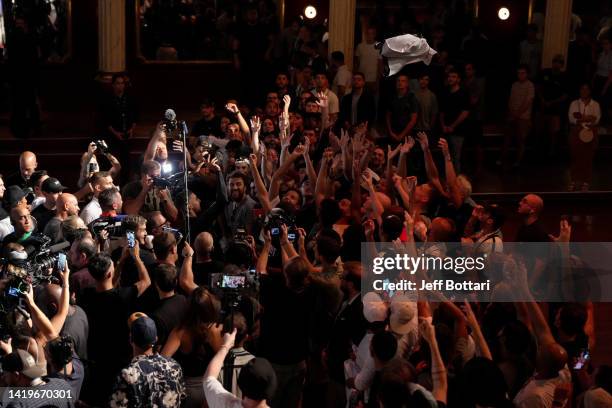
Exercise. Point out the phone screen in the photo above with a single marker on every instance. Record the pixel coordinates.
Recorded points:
(582, 360)
(275, 231)
(14, 292)
(130, 239)
(291, 237)
(232, 281)
(61, 261)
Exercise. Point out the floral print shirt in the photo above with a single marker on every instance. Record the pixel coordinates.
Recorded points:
(149, 381)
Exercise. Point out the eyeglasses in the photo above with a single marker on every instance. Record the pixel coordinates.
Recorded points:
(165, 224)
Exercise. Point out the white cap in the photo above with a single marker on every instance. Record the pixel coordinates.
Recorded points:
(374, 309)
(404, 314)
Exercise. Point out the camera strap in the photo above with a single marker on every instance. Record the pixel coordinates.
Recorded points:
(228, 370)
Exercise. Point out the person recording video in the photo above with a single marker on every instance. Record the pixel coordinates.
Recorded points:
(146, 195)
(90, 164)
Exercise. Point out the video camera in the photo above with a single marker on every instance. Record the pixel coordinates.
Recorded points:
(113, 225)
(162, 182)
(22, 270)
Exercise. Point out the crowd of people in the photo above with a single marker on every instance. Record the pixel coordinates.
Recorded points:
(245, 287)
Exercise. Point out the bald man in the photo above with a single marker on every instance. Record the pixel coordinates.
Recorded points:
(76, 325)
(204, 265)
(530, 208)
(23, 225)
(27, 166)
(65, 206)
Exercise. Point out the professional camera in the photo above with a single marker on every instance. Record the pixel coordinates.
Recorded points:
(236, 291)
(161, 182)
(113, 225)
(101, 145)
(30, 196)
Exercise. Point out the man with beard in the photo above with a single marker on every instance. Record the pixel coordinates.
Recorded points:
(238, 209)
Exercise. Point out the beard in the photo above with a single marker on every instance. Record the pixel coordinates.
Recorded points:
(237, 195)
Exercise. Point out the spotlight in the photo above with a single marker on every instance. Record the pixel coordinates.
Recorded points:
(503, 13)
(310, 12)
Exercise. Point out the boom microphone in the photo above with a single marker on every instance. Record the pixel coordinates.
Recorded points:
(169, 119)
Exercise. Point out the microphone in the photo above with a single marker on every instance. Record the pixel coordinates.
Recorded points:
(169, 119)
(184, 127)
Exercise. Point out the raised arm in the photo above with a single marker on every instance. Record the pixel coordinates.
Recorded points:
(144, 281)
(451, 176)
(158, 136)
(430, 165)
(262, 193)
(186, 279)
(59, 319)
(438, 369)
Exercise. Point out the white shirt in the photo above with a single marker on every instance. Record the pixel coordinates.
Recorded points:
(540, 393)
(590, 109)
(219, 397)
(91, 211)
(368, 60)
(6, 227)
(37, 201)
(344, 78)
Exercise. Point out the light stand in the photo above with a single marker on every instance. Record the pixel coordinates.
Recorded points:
(183, 127)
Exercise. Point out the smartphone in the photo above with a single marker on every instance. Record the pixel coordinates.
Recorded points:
(582, 360)
(274, 231)
(131, 240)
(61, 262)
(291, 236)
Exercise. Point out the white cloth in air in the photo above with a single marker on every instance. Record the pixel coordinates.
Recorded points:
(406, 49)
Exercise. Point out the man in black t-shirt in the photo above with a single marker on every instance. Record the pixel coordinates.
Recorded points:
(454, 110)
(172, 306)
(108, 308)
(209, 124)
(403, 110)
(51, 189)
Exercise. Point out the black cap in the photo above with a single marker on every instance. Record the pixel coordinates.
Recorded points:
(257, 380)
(144, 332)
(13, 195)
(52, 185)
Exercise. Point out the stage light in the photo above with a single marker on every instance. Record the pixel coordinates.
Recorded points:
(503, 13)
(310, 12)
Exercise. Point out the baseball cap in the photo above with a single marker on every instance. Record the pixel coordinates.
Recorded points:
(144, 332)
(20, 361)
(404, 316)
(52, 185)
(374, 309)
(13, 195)
(257, 379)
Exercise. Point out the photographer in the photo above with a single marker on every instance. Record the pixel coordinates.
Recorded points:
(143, 196)
(99, 181)
(90, 165)
(137, 225)
(256, 380)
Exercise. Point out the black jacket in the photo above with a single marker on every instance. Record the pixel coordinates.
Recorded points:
(366, 109)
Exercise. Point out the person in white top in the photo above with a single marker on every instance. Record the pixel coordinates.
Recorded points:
(99, 182)
(584, 116)
(257, 381)
(330, 105)
(369, 61)
(342, 82)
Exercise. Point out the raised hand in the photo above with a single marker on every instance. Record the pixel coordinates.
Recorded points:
(407, 145)
(423, 141)
(187, 250)
(299, 150)
(253, 160)
(344, 139)
(397, 181)
(368, 228)
(470, 317)
(392, 153)
(233, 108)
(255, 125)
(427, 330)
(286, 102)
(366, 176)
(322, 100)
(91, 148)
(565, 232)
(443, 145)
